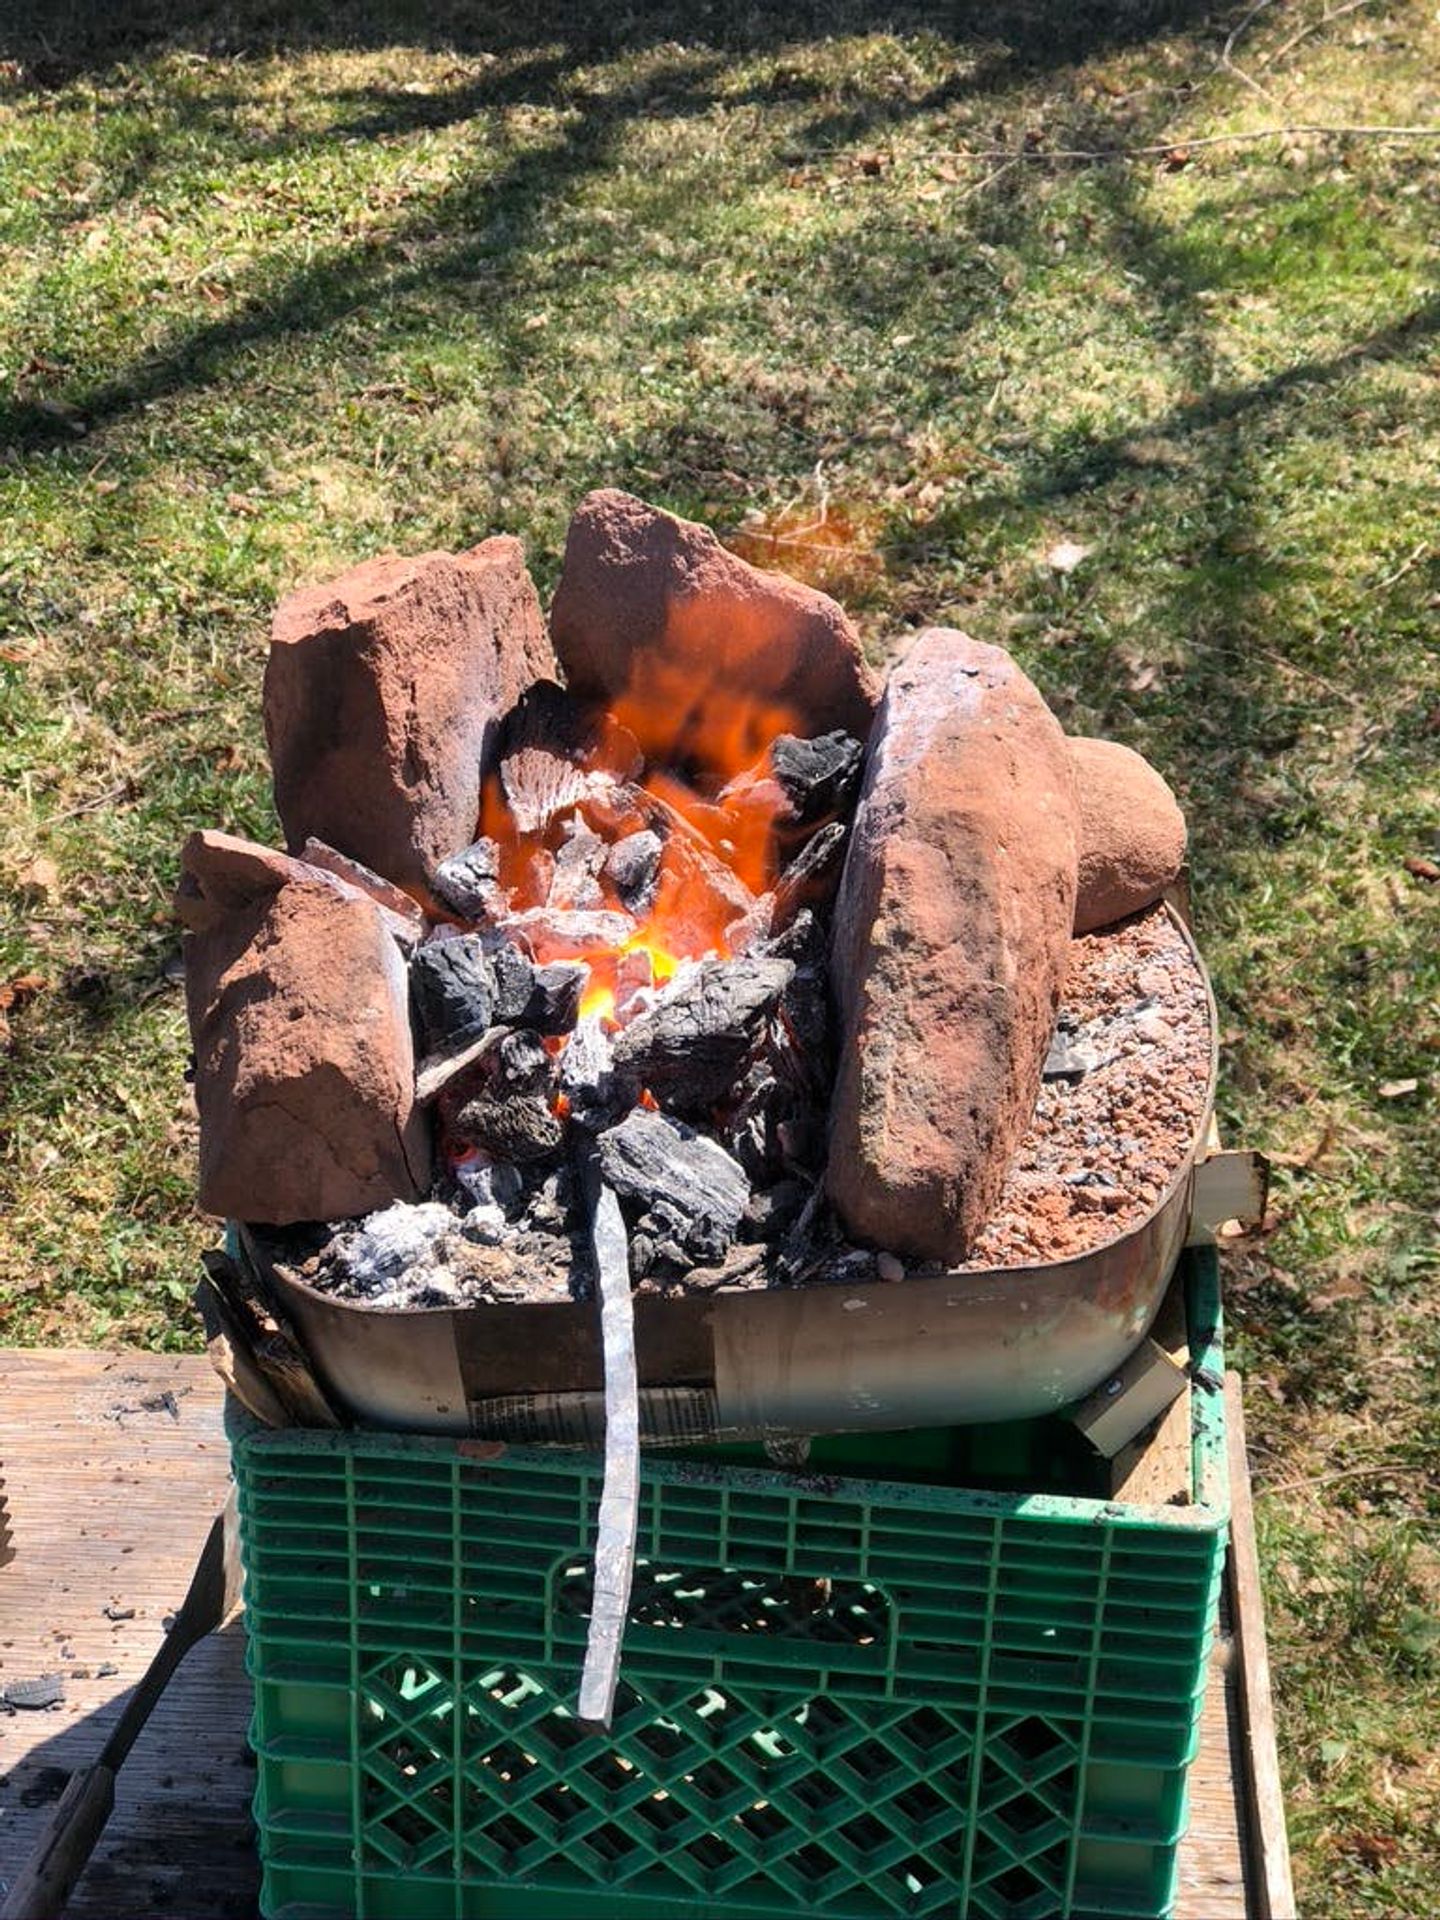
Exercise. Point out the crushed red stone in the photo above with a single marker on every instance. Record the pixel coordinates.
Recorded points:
(1102, 1149)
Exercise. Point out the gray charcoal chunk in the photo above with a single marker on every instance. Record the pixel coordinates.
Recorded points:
(518, 1127)
(453, 991)
(686, 1188)
(692, 1046)
(820, 776)
(521, 1063)
(467, 882)
(578, 860)
(554, 1002)
(513, 974)
(774, 1210)
(633, 869)
(812, 876)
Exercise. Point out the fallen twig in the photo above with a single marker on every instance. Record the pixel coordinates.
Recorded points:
(1228, 64)
(1327, 19)
(94, 804)
(1411, 561)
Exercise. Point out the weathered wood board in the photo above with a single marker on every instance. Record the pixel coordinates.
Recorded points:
(115, 1465)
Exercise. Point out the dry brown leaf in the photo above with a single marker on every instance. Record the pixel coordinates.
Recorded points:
(24, 986)
(1422, 869)
(39, 879)
(1396, 1089)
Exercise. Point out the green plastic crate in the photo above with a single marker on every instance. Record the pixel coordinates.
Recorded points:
(840, 1697)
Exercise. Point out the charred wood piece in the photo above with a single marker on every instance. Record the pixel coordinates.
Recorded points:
(452, 989)
(803, 941)
(812, 876)
(692, 1046)
(773, 1211)
(517, 1127)
(633, 869)
(545, 999)
(804, 1034)
(752, 1133)
(522, 1065)
(575, 885)
(685, 1193)
(437, 1076)
(587, 1077)
(469, 883)
(820, 777)
(542, 756)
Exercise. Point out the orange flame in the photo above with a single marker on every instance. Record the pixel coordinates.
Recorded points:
(706, 788)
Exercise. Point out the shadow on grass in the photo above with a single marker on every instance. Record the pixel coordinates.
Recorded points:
(471, 244)
(476, 231)
(61, 39)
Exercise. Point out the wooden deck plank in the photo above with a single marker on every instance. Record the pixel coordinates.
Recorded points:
(115, 1466)
(1267, 1841)
(112, 1486)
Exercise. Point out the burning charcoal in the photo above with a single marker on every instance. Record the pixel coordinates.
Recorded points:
(812, 876)
(698, 896)
(689, 1194)
(633, 869)
(539, 877)
(757, 794)
(515, 1126)
(819, 777)
(616, 810)
(453, 990)
(692, 1046)
(576, 885)
(587, 1078)
(552, 935)
(541, 756)
(751, 932)
(554, 1006)
(469, 883)
(634, 976)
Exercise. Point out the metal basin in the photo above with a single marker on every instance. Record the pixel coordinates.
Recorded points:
(945, 1350)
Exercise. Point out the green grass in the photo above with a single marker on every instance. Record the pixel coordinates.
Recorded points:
(277, 294)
